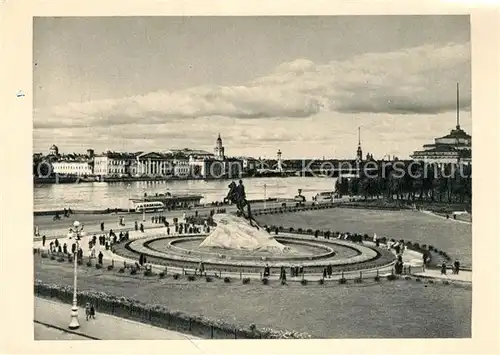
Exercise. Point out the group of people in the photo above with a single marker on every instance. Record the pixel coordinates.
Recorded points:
(295, 271)
(455, 269)
(67, 212)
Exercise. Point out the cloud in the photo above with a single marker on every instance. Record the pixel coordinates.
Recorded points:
(419, 80)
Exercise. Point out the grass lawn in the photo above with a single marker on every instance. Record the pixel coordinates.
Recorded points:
(404, 309)
(450, 236)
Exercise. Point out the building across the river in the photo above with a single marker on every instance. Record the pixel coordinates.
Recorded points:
(73, 167)
(217, 165)
(453, 148)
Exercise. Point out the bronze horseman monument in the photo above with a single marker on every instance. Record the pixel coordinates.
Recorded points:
(240, 230)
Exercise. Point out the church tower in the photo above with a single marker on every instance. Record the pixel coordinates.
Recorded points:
(359, 152)
(219, 149)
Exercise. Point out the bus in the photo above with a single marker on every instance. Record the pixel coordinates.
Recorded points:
(155, 206)
(323, 197)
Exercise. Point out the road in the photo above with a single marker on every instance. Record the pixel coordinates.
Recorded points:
(51, 229)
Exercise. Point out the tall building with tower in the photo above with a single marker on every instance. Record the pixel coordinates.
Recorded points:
(455, 147)
(219, 149)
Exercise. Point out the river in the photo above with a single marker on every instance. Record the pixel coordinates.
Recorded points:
(100, 195)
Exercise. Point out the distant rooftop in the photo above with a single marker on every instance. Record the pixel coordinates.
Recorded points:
(457, 133)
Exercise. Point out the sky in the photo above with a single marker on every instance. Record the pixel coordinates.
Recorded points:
(299, 84)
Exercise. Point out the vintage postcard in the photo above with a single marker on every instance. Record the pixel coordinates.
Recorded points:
(292, 176)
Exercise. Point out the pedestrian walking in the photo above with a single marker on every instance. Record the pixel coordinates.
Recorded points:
(87, 311)
(443, 268)
(92, 311)
(43, 241)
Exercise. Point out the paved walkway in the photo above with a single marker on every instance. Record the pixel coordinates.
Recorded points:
(451, 219)
(104, 327)
(465, 276)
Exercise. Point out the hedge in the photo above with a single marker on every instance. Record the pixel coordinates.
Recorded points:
(160, 316)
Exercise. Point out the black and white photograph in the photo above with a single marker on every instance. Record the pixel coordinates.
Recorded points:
(252, 177)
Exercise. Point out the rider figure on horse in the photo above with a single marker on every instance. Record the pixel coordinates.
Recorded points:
(237, 196)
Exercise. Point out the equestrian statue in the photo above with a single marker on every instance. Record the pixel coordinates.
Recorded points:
(237, 196)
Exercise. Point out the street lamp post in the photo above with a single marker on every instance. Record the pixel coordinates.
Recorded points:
(76, 232)
(265, 196)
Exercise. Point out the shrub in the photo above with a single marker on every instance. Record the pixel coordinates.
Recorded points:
(265, 281)
(45, 255)
(358, 280)
(176, 276)
(148, 272)
(98, 266)
(303, 282)
(299, 230)
(208, 279)
(133, 271)
(430, 281)
(407, 278)
(52, 257)
(227, 280)
(191, 278)
(377, 278)
(431, 248)
(321, 281)
(391, 277)
(161, 275)
(61, 259)
(110, 267)
(418, 280)
(245, 280)
(291, 229)
(342, 280)
(121, 270)
(309, 230)
(416, 245)
(446, 282)
(89, 263)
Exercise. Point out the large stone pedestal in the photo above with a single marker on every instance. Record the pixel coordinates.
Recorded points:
(233, 232)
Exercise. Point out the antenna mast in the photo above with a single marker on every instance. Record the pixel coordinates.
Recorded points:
(458, 107)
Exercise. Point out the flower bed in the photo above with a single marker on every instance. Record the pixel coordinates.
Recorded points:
(160, 316)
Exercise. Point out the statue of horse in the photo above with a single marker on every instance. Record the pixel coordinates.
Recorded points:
(236, 195)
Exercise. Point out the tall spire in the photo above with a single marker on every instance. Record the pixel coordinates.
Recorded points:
(359, 152)
(458, 108)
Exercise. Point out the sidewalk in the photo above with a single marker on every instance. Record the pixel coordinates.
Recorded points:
(465, 276)
(104, 327)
